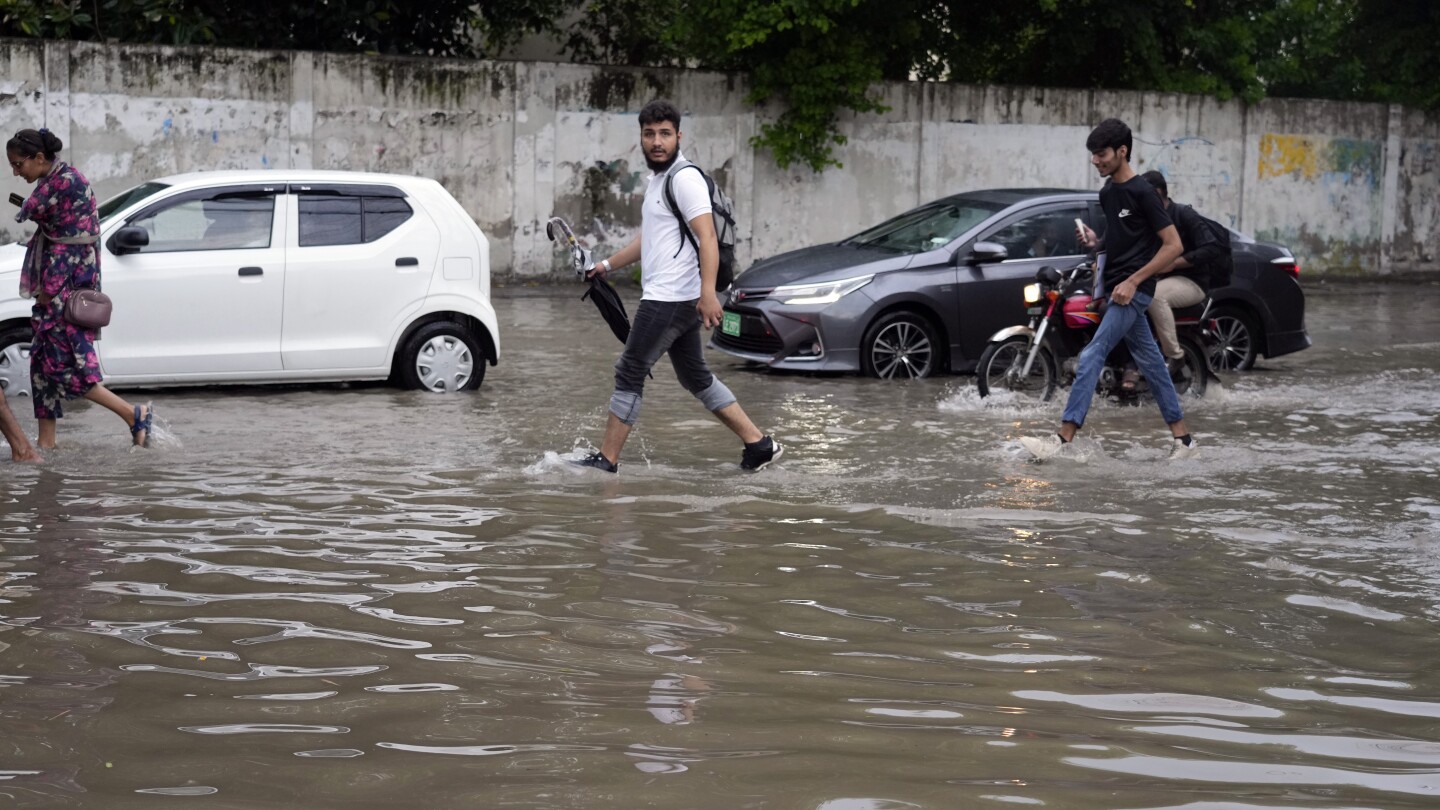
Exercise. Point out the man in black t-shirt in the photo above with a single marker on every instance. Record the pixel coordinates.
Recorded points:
(1139, 242)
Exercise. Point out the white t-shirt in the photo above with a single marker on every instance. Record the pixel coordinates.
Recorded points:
(670, 267)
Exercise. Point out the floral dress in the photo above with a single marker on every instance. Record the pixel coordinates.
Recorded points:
(63, 364)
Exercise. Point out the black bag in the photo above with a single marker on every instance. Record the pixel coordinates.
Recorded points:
(723, 212)
(1222, 268)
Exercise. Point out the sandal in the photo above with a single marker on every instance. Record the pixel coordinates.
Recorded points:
(1129, 379)
(141, 425)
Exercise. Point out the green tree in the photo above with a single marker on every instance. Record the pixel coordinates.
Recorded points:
(433, 28)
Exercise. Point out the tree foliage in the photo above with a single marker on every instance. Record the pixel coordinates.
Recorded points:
(432, 28)
(815, 60)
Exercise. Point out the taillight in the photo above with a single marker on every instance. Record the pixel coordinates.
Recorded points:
(1289, 265)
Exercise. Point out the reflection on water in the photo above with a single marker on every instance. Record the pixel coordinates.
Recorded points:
(363, 597)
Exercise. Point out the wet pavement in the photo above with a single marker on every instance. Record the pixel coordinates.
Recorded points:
(361, 597)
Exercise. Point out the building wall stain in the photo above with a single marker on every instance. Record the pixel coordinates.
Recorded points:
(1352, 188)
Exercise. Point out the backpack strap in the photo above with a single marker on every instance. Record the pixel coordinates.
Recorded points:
(674, 207)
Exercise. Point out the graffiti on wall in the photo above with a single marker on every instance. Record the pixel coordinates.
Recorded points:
(1344, 174)
(1327, 160)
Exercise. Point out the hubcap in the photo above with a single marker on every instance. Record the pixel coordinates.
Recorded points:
(444, 363)
(1233, 345)
(15, 370)
(902, 350)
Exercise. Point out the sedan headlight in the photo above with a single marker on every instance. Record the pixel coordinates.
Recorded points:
(1032, 293)
(824, 293)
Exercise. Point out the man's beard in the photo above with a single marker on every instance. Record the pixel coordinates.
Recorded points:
(660, 168)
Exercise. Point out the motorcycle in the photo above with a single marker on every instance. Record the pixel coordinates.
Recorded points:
(1038, 358)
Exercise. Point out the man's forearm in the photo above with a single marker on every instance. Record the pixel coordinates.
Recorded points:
(626, 256)
(1164, 258)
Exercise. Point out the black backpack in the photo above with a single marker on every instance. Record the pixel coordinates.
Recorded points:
(1222, 267)
(722, 210)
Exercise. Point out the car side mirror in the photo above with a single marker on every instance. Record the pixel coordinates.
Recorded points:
(129, 239)
(987, 252)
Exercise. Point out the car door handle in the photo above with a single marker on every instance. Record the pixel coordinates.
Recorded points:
(252, 271)
(407, 261)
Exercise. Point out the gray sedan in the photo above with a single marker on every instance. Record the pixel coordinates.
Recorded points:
(921, 293)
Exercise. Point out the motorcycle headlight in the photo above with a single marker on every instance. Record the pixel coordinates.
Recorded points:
(824, 293)
(1032, 293)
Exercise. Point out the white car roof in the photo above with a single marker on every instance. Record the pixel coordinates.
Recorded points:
(210, 178)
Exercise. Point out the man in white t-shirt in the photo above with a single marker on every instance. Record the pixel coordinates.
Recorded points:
(679, 296)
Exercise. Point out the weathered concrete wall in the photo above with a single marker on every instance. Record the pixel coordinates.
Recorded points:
(1352, 188)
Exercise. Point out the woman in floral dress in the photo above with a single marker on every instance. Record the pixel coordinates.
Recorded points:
(63, 256)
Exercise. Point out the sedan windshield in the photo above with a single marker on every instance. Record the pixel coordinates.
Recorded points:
(124, 200)
(927, 228)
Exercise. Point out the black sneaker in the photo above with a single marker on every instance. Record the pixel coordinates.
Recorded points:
(758, 456)
(598, 461)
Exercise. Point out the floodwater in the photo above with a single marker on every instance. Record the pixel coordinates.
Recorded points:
(356, 597)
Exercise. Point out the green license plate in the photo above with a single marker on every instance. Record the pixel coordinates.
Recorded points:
(730, 323)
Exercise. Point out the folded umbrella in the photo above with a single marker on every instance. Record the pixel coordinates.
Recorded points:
(612, 309)
(604, 296)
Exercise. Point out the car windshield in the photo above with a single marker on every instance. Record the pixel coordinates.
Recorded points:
(125, 199)
(927, 228)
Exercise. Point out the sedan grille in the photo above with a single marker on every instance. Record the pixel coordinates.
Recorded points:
(748, 344)
(756, 336)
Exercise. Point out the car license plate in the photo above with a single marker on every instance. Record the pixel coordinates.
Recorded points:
(730, 324)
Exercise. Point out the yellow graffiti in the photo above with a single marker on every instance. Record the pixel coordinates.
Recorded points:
(1289, 154)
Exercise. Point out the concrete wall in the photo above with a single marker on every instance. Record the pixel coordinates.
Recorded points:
(1352, 188)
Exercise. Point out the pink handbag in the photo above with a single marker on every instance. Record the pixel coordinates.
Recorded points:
(88, 309)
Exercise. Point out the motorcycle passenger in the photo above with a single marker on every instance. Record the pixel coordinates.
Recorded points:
(1187, 280)
(1139, 242)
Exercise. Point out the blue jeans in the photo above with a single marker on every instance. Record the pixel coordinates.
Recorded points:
(1123, 323)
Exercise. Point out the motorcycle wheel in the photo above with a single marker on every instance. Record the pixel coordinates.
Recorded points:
(993, 373)
(1195, 374)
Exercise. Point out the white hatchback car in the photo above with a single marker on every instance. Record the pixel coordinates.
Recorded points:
(281, 276)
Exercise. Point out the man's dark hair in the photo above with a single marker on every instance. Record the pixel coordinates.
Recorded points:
(1157, 180)
(1111, 134)
(660, 110)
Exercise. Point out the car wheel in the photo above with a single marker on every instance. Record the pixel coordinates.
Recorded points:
(1000, 364)
(441, 357)
(15, 362)
(901, 345)
(1238, 341)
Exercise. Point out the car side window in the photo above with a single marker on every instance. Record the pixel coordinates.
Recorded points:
(1041, 235)
(221, 222)
(331, 219)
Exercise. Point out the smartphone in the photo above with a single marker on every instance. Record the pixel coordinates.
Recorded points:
(16, 200)
(1079, 226)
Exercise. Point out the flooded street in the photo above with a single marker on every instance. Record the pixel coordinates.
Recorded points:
(368, 598)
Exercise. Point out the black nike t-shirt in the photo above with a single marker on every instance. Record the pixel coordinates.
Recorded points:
(1134, 217)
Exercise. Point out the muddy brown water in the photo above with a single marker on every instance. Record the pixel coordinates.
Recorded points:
(357, 597)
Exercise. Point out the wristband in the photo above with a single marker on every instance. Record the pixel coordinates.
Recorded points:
(606, 264)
